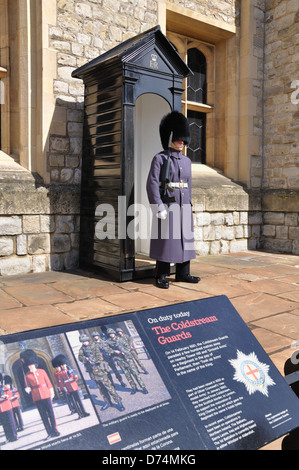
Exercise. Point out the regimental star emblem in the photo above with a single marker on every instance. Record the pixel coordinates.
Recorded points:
(252, 373)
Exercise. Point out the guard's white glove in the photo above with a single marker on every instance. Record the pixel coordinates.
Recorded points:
(162, 215)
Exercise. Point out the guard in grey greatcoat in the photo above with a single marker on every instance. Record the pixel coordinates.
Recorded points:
(169, 193)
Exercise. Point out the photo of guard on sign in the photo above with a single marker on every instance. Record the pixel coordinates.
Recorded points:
(169, 189)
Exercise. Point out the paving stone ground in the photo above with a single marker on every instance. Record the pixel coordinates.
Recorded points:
(263, 287)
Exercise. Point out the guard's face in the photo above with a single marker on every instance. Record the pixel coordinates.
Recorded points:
(178, 145)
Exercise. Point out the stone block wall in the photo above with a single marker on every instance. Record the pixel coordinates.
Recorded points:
(39, 228)
(221, 210)
(220, 232)
(280, 185)
(273, 220)
(281, 230)
(276, 232)
(281, 110)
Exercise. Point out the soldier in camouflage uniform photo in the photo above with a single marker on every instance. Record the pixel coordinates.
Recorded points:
(107, 352)
(128, 344)
(125, 361)
(98, 368)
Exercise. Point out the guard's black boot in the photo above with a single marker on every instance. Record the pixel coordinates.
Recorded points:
(188, 278)
(162, 282)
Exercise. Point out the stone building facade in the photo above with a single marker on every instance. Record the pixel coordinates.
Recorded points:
(280, 183)
(246, 194)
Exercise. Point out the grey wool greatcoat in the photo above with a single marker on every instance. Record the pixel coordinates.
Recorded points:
(172, 239)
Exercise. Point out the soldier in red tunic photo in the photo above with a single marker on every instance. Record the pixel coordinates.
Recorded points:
(6, 412)
(14, 399)
(41, 388)
(67, 382)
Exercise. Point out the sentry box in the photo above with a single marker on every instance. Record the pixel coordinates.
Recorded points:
(127, 91)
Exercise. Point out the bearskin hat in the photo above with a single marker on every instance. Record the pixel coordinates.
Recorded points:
(7, 380)
(176, 123)
(29, 357)
(59, 360)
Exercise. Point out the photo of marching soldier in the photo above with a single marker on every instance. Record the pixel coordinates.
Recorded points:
(125, 361)
(7, 420)
(43, 399)
(96, 365)
(117, 369)
(67, 383)
(15, 396)
(129, 345)
(38, 384)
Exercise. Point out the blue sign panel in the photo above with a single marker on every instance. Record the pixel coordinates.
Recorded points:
(184, 377)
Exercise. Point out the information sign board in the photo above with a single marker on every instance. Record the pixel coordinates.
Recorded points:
(188, 376)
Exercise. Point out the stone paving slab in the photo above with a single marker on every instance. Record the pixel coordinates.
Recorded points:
(33, 317)
(36, 294)
(263, 287)
(6, 301)
(259, 305)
